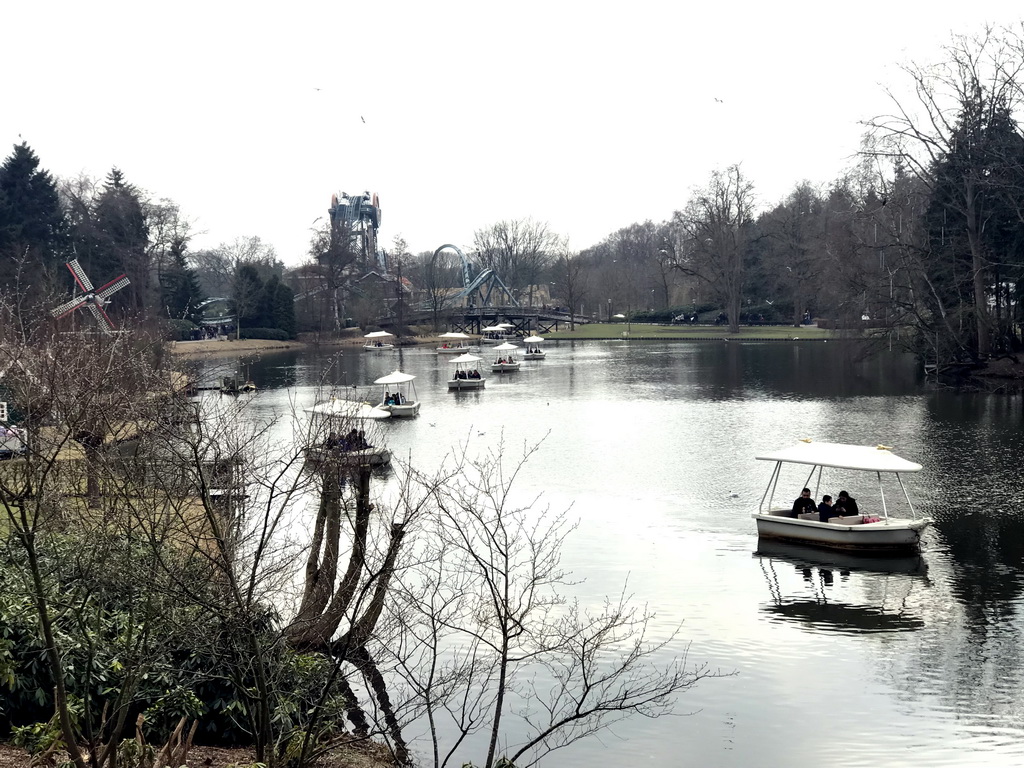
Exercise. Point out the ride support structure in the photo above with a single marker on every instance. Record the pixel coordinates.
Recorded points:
(358, 218)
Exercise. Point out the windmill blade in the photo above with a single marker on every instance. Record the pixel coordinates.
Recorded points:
(68, 307)
(101, 317)
(113, 287)
(80, 277)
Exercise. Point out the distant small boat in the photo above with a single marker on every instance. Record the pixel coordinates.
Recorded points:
(349, 436)
(467, 373)
(454, 344)
(533, 352)
(498, 332)
(505, 360)
(375, 341)
(399, 398)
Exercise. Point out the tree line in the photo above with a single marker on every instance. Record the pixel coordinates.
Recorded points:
(919, 241)
(113, 228)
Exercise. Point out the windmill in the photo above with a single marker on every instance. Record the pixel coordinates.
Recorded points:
(94, 299)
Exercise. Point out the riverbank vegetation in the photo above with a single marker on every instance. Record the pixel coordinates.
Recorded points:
(177, 574)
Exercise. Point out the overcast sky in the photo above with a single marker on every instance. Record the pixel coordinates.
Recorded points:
(589, 116)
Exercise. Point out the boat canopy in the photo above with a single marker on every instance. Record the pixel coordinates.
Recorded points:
(533, 339)
(454, 335)
(395, 378)
(493, 328)
(860, 457)
(347, 409)
(377, 335)
(466, 359)
(506, 347)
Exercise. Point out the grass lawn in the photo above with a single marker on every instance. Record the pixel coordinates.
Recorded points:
(692, 332)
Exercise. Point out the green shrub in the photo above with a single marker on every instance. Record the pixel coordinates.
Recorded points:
(270, 334)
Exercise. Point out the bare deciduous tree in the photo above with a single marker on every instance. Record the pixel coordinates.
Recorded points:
(487, 618)
(517, 251)
(712, 235)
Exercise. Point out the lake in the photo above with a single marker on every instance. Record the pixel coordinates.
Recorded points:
(834, 662)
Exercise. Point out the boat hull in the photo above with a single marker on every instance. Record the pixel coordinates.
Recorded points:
(533, 356)
(892, 534)
(466, 383)
(405, 410)
(504, 367)
(378, 347)
(373, 456)
(454, 350)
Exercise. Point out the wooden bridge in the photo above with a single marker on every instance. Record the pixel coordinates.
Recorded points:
(524, 320)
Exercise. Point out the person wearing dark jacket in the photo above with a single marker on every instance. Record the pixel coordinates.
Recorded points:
(804, 503)
(825, 509)
(846, 505)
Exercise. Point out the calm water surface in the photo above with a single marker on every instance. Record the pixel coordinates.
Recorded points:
(835, 661)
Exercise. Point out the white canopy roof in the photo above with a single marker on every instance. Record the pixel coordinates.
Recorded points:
(454, 335)
(618, 315)
(862, 457)
(395, 378)
(506, 325)
(467, 358)
(505, 347)
(493, 328)
(377, 335)
(347, 409)
(533, 339)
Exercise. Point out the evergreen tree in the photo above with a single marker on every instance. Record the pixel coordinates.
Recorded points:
(123, 236)
(277, 306)
(179, 287)
(975, 231)
(284, 309)
(246, 295)
(33, 230)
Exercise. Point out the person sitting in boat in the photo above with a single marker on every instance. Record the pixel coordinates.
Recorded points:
(332, 440)
(804, 503)
(846, 505)
(474, 374)
(825, 510)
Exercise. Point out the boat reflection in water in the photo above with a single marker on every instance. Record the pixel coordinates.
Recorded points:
(874, 593)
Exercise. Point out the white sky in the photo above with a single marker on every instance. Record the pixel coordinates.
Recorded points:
(586, 115)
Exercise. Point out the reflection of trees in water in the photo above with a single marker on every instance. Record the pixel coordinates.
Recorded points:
(964, 659)
(970, 657)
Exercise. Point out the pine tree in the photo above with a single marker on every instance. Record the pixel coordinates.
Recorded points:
(179, 287)
(33, 229)
(123, 239)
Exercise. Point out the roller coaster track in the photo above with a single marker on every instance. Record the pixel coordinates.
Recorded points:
(481, 287)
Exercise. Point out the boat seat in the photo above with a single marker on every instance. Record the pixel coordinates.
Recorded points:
(848, 520)
(808, 516)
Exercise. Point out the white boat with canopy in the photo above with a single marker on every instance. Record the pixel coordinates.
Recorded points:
(467, 373)
(399, 398)
(533, 351)
(505, 359)
(873, 530)
(497, 332)
(376, 341)
(346, 433)
(454, 343)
